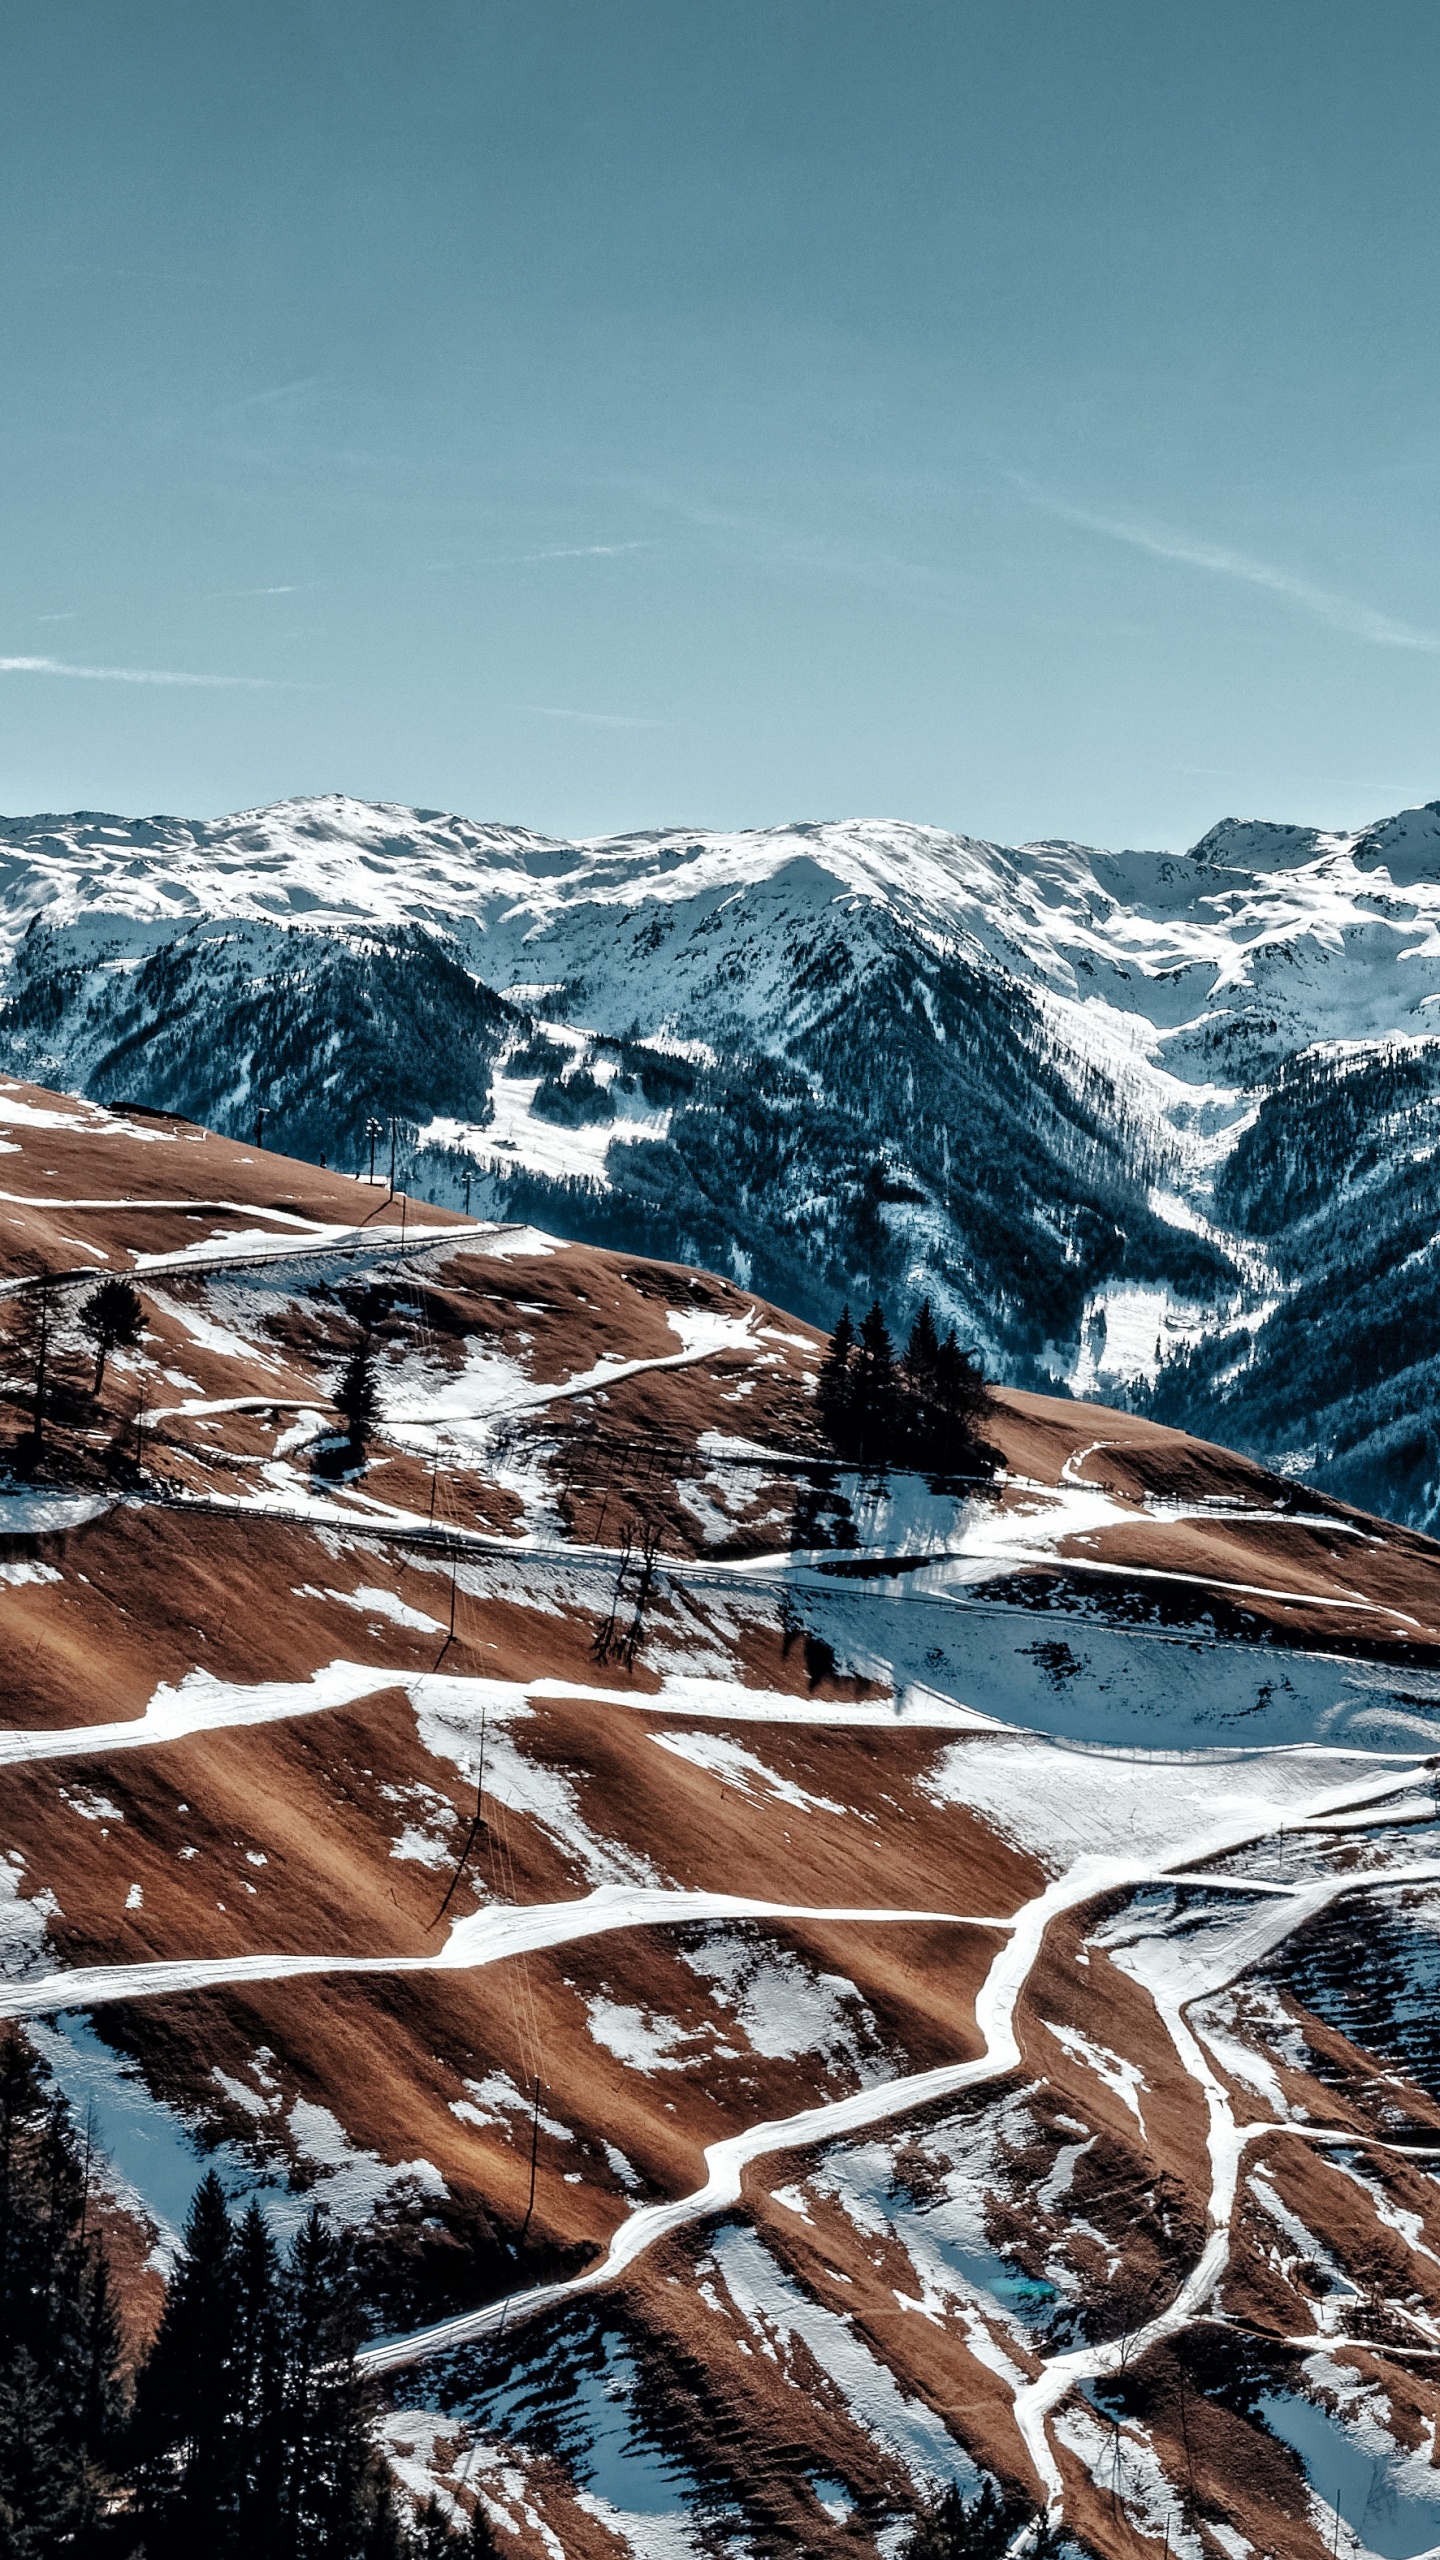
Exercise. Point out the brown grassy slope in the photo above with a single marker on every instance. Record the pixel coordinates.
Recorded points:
(223, 1560)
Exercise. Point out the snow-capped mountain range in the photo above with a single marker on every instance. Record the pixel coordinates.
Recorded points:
(1154, 1122)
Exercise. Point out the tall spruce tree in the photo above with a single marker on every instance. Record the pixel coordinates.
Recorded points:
(435, 2537)
(331, 2464)
(385, 2534)
(960, 1388)
(922, 1352)
(253, 2425)
(875, 1391)
(357, 1394)
(258, 2385)
(834, 1386)
(480, 2543)
(59, 2343)
(187, 2434)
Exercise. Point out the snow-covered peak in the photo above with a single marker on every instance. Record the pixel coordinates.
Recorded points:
(1406, 847)
(1264, 937)
(327, 859)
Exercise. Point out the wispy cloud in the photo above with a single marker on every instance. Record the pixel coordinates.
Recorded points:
(124, 675)
(272, 397)
(589, 719)
(1342, 613)
(585, 551)
(263, 591)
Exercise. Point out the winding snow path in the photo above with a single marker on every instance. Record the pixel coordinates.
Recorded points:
(498, 1933)
(1090, 1878)
(482, 1938)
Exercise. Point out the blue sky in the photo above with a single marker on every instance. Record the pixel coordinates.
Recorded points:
(1019, 417)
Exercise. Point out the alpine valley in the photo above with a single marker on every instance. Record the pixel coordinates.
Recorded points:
(1160, 1127)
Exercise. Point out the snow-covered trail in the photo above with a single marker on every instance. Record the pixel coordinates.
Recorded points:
(763, 1576)
(511, 1405)
(225, 1252)
(967, 1564)
(1090, 1878)
(188, 1206)
(1285, 1912)
(482, 1938)
(525, 1399)
(202, 1704)
(222, 1253)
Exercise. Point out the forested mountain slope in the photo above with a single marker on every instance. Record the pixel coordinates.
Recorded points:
(1161, 1123)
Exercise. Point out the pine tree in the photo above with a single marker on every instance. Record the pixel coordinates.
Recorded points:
(330, 2459)
(111, 1315)
(959, 1384)
(922, 1353)
(357, 1396)
(951, 2530)
(187, 2432)
(253, 2426)
(434, 2537)
(41, 2498)
(875, 1390)
(480, 2542)
(258, 2385)
(834, 1386)
(384, 2536)
(59, 2390)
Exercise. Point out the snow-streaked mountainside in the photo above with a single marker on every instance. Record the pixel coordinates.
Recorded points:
(1154, 1123)
(801, 1989)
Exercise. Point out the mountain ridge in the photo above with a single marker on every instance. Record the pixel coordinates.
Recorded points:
(839, 1057)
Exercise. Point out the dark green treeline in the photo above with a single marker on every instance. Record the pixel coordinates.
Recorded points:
(250, 2431)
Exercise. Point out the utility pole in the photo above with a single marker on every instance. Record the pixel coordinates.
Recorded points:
(393, 1127)
(262, 1114)
(42, 1353)
(534, 2157)
(373, 1130)
(467, 1179)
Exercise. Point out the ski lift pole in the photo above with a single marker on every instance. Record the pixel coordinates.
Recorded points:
(534, 2157)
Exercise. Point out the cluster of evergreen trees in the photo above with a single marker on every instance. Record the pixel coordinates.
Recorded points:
(61, 2409)
(921, 1411)
(251, 2430)
(986, 2529)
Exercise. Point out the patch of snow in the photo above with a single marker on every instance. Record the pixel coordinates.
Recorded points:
(1117, 2073)
(497, 2092)
(786, 2006)
(781, 2316)
(1388, 2500)
(742, 1770)
(642, 2039)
